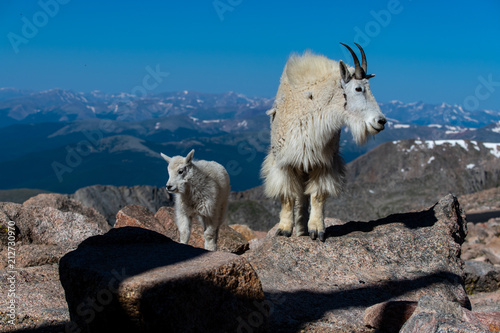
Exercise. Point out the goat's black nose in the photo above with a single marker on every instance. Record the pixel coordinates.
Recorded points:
(382, 121)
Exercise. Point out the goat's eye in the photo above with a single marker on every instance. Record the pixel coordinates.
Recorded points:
(180, 172)
(359, 89)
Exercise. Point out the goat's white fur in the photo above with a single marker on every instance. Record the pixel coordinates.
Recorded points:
(312, 104)
(201, 190)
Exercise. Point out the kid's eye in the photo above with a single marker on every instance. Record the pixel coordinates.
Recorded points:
(359, 89)
(181, 171)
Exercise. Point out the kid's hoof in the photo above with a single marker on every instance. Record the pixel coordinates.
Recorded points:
(313, 235)
(285, 233)
(322, 236)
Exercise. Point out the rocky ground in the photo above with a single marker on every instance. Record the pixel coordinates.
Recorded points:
(367, 277)
(483, 201)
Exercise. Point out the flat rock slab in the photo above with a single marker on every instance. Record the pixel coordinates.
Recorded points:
(136, 280)
(314, 286)
(39, 299)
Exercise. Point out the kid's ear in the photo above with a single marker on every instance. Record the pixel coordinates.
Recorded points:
(165, 157)
(189, 157)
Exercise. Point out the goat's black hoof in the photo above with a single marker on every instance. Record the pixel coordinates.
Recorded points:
(322, 236)
(285, 233)
(313, 235)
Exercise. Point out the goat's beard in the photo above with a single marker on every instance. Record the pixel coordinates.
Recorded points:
(360, 132)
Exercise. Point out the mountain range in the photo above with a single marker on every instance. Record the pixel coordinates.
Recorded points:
(60, 140)
(58, 105)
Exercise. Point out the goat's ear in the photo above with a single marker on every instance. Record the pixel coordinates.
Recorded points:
(165, 157)
(344, 72)
(189, 156)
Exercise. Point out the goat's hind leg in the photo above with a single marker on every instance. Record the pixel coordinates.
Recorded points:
(283, 183)
(301, 214)
(285, 226)
(211, 234)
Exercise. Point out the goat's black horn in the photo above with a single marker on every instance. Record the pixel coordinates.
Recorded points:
(359, 72)
(363, 58)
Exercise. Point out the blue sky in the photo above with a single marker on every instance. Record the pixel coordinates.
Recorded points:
(447, 51)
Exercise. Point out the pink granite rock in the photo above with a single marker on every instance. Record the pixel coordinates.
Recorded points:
(229, 240)
(328, 286)
(438, 315)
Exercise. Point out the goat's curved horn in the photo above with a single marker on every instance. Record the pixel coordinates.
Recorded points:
(359, 72)
(363, 57)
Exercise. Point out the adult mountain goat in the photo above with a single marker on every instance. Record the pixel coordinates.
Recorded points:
(316, 98)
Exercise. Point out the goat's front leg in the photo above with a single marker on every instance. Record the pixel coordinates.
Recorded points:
(211, 234)
(285, 226)
(316, 224)
(184, 225)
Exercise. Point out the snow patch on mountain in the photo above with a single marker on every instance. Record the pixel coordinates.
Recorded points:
(242, 124)
(496, 129)
(494, 148)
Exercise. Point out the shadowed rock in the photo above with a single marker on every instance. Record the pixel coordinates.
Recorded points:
(389, 316)
(136, 280)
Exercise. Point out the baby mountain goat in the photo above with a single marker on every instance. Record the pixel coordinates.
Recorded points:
(316, 98)
(201, 189)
